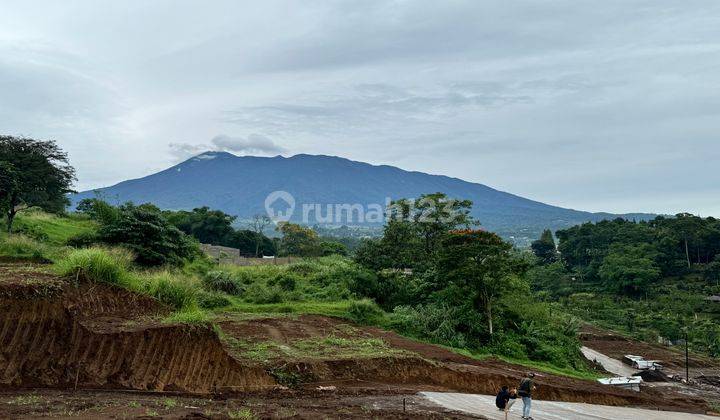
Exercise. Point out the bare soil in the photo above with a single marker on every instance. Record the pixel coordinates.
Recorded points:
(313, 405)
(69, 338)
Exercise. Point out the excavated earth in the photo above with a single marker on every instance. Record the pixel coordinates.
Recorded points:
(67, 335)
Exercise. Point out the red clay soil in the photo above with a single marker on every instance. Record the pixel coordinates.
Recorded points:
(285, 404)
(433, 367)
(54, 334)
(93, 336)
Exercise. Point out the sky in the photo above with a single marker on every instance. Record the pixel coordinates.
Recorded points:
(593, 105)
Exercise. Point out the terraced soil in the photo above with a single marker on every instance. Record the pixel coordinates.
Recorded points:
(69, 335)
(54, 334)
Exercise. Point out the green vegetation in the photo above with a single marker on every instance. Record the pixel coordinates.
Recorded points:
(52, 228)
(23, 248)
(448, 309)
(215, 227)
(647, 279)
(33, 173)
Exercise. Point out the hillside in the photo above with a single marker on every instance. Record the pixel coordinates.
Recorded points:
(239, 186)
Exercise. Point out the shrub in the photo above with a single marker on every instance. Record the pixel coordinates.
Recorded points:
(286, 283)
(258, 293)
(224, 282)
(364, 311)
(212, 300)
(103, 265)
(33, 231)
(146, 232)
(83, 240)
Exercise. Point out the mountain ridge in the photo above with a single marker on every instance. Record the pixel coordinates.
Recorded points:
(239, 185)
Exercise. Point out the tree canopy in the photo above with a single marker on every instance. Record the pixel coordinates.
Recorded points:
(33, 173)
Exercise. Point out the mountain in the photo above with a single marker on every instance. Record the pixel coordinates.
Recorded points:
(239, 186)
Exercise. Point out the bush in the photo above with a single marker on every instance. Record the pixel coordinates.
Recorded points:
(365, 312)
(212, 300)
(83, 240)
(258, 293)
(146, 232)
(441, 323)
(33, 231)
(287, 283)
(102, 265)
(223, 281)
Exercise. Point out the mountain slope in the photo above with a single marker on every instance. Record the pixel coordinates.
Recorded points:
(239, 186)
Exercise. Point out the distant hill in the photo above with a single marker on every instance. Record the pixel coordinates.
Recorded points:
(239, 186)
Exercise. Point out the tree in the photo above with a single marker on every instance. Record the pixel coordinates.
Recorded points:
(628, 269)
(33, 173)
(329, 247)
(258, 224)
(208, 226)
(149, 235)
(433, 216)
(298, 240)
(481, 267)
(544, 248)
(414, 232)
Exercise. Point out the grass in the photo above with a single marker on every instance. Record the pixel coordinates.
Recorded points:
(189, 316)
(25, 400)
(243, 414)
(50, 228)
(329, 346)
(337, 309)
(112, 266)
(102, 265)
(21, 247)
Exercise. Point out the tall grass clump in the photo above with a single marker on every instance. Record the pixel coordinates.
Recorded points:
(23, 247)
(174, 290)
(102, 265)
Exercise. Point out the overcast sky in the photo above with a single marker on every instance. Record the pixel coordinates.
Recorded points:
(594, 105)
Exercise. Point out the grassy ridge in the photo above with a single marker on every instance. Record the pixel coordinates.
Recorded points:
(52, 229)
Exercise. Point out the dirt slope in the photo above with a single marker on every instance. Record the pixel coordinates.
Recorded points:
(57, 334)
(426, 367)
(53, 334)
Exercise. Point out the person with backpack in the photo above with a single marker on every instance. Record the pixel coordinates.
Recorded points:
(505, 399)
(527, 386)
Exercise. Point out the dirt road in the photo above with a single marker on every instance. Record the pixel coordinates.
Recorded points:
(608, 363)
(484, 405)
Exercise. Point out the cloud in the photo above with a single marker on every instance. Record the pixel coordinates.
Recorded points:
(182, 151)
(553, 100)
(254, 143)
(251, 145)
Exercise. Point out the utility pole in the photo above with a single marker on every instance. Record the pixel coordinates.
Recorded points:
(687, 359)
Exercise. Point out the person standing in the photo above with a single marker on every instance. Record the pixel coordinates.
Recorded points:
(505, 399)
(527, 386)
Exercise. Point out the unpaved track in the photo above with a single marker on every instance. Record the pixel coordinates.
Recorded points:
(608, 363)
(484, 405)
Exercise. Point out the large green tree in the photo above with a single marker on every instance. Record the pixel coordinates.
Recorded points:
(208, 226)
(628, 269)
(299, 241)
(33, 173)
(481, 267)
(544, 248)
